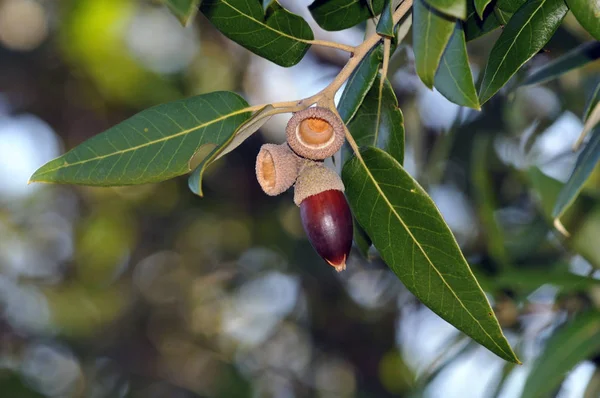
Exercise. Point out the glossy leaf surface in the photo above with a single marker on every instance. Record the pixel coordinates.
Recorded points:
(413, 239)
(154, 145)
(379, 122)
(453, 8)
(526, 33)
(359, 84)
(480, 6)
(453, 78)
(385, 26)
(277, 34)
(503, 16)
(431, 33)
(475, 27)
(509, 6)
(587, 13)
(343, 14)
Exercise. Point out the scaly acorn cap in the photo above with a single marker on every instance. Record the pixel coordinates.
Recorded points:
(276, 168)
(315, 133)
(313, 179)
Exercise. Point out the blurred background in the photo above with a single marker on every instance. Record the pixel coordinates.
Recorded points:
(151, 291)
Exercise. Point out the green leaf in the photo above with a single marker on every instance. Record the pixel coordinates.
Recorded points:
(480, 6)
(343, 14)
(592, 103)
(153, 145)
(475, 27)
(359, 84)
(502, 16)
(453, 78)
(184, 10)
(586, 161)
(453, 8)
(431, 32)
(278, 35)
(412, 238)
(361, 239)
(510, 6)
(587, 12)
(243, 132)
(385, 26)
(576, 58)
(570, 345)
(526, 33)
(379, 121)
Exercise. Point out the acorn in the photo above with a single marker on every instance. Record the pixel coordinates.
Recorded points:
(315, 133)
(324, 212)
(276, 168)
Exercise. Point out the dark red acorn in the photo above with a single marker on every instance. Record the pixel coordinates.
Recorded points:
(327, 221)
(324, 212)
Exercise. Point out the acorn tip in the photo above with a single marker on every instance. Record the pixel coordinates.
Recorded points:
(341, 266)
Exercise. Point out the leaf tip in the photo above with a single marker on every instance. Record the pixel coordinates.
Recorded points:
(35, 177)
(517, 361)
(483, 97)
(561, 228)
(427, 81)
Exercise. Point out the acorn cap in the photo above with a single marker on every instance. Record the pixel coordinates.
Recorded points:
(276, 168)
(315, 133)
(315, 178)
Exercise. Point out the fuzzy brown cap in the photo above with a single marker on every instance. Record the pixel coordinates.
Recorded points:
(315, 178)
(277, 168)
(315, 133)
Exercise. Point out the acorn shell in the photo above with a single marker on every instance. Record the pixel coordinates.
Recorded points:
(315, 178)
(276, 168)
(315, 133)
(327, 221)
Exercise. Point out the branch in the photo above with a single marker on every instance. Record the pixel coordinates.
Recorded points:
(325, 97)
(332, 44)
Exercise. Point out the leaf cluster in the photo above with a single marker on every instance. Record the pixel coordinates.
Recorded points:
(393, 213)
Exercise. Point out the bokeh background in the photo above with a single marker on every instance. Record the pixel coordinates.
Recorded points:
(151, 291)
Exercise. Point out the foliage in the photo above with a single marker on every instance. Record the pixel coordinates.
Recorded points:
(389, 205)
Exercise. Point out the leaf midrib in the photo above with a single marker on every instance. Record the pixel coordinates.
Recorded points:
(264, 24)
(359, 156)
(149, 143)
(542, 2)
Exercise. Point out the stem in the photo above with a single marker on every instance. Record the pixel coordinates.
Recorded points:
(360, 52)
(386, 61)
(333, 44)
(325, 97)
